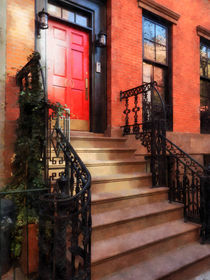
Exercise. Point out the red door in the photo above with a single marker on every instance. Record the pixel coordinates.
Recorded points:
(68, 71)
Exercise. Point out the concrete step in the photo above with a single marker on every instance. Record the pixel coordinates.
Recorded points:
(93, 141)
(178, 264)
(110, 201)
(105, 167)
(120, 181)
(124, 220)
(117, 253)
(105, 153)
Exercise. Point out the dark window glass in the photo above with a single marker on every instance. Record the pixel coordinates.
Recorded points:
(205, 60)
(205, 87)
(155, 62)
(155, 41)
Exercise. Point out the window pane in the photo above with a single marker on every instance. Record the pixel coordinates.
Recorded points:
(68, 15)
(149, 50)
(161, 35)
(149, 30)
(54, 10)
(147, 73)
(203, 67)
(209, 53)
(82, 20)
(161, 54)
(203, 51)
(159, 76)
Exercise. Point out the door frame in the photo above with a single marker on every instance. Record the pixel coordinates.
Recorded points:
(96, 10)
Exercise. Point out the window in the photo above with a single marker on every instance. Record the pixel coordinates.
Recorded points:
(156, 60)
(205, 86)
(69, 15)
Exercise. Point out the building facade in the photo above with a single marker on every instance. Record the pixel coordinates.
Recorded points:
(163, 41)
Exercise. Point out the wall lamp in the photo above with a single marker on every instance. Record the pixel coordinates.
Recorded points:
(101, 40)
(42, 22)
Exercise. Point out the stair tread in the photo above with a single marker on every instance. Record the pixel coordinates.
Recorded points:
(128, 213)
(102, 149)
(163, 265)
(115, 195)
(97, 137)
(113, 162)
(116, 245)
(120, 176)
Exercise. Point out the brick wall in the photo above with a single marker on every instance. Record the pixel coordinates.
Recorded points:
(125, 58)
(124, 54)
(19, 44)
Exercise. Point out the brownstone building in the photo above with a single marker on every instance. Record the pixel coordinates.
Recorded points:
(92, 50)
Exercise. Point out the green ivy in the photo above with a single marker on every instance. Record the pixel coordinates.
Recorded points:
(28, 163)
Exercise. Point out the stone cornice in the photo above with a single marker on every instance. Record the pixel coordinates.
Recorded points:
(203, 32)
(159, 10)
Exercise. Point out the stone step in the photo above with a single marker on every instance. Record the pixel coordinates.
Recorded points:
(110, 201)
(178, 264)
(105, 167)
(117, 182)
(92, 141)
(124, 220)
(105, 153)
(119, 252)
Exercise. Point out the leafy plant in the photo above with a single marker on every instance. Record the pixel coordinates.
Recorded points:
(28, 163)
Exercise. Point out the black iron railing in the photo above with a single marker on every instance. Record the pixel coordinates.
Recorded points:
(65, 214)
(188, 181)
(61, 210)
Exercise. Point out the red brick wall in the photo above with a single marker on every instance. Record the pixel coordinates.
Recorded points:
(20, 43)
(124, 54)
(125, 57)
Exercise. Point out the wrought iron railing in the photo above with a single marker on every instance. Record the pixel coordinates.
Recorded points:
(65, 214)
(188, 181)
(62, 210)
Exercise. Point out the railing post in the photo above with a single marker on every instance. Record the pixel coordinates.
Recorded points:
(205, 206)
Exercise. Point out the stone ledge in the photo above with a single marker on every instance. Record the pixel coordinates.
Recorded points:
(159, 10)
(203, 32)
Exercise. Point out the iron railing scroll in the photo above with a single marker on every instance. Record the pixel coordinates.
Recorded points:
(145, 118)
(188, 181)
(65, 213)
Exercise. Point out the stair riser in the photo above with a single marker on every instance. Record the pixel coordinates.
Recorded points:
(109, 231)
(100, 207)
(118, 262)
(105, 155)
(97, 143)
(97, 170)
(192, 272)
(111, 186)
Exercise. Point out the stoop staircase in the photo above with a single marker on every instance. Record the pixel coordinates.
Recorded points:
(136, 233)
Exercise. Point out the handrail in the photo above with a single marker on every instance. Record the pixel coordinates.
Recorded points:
(173, 149)
(187, 179)
(65, 211)
(68, 206)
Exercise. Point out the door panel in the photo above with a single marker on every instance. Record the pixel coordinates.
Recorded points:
(68, 71)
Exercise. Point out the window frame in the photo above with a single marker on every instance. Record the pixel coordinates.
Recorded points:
(167, 67)
(204, 114)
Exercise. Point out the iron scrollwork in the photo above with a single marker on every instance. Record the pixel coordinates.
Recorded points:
(188, 181)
